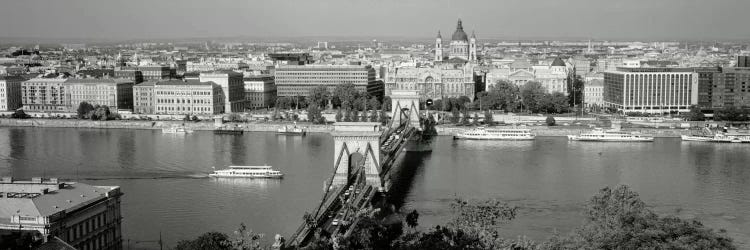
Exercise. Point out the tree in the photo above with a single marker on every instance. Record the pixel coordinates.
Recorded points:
(383, 118)
(283, 102)
(550, 121)
(355, 115)
(196, 119)
(313, 113)
(318, 96)
(488, 118)
(475, 120)
(19, 114)
(556, 103)
(100, 112)
(455, 115)
(532, 94)
(386, 105)
(575, 90)
(412, 219)
(84, 108)
(503, 95)
(339, 116)
(466, 117)
(234, 117)
(732, 113)
(344, 95)
(186, 118)
(695, 114)
(245, 239)
(374, 115)
(373, 104)
(618, 219)
(207, 241)
(348, 115)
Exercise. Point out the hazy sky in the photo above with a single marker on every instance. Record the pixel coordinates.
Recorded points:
(507, 19)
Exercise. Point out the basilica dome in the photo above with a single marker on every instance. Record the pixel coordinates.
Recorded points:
(459, 34)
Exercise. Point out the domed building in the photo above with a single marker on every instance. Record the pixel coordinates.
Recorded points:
(461, 48)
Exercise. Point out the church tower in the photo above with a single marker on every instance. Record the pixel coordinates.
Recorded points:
(473, 47)
(439, 48)
(459, 47)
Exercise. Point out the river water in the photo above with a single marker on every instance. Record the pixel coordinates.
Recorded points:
(550, 179)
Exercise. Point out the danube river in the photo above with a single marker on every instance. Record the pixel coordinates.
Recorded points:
(550, 179)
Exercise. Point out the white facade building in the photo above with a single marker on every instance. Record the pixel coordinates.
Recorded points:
(10, 92)
(651, 90)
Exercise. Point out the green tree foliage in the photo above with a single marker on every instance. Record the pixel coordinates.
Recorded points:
(19, 114)
(475, 120)
(465, 117)
(503, 95)
(618, 219)
(575, 90)
(318, 96)
(344, 95)
(355, 115)
(348, 115)
(550, 121)
(386, 105)
(284, 102)
(455, 115)
(374, 115)
(555, 103)
(186, 118)
(373, 104)
(235, 117)
(732, 113)
(532, 94)
(695, 114)
(196, 119)
(489, 118)
(84, 109)
(412, 219)
(314, 114)
(102, 113)
(207, 241)
(339, 116)
(383, 118)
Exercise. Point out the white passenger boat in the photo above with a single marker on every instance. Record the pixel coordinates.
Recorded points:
(601, 135)
(482, 133)
(247, 172)
(707, 135)
(286, 130)
(176, 130)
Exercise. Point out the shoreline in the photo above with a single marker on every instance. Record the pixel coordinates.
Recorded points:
(443, 130)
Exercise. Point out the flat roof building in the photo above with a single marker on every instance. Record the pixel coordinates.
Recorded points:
(117, 94)
(84, 216)
(178, 97)
(299, 80)
(651, 90)
(10, 92)
(45, 95)
(260, 91)
(232, 86)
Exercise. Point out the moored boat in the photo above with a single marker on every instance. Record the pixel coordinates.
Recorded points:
(176, 130)
(482, 133)
(286, 130)
(707, 135)
(600, 135)
(247, 172)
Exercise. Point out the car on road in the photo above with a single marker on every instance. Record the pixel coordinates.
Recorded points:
(335, 222)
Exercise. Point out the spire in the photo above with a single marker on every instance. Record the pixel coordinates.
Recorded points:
(439, 36)
(472, 35)
(459, 26)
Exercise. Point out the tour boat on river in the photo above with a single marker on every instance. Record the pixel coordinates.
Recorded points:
(286, 130)
(176, 130)
(600, 135)
(495, 134)
(247, 172)
(706, 135)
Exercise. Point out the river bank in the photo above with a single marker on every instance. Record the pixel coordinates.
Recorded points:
(135, 124)
(445, 130)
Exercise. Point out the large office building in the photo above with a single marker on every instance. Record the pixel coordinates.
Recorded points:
(45, 95)
(179, 97)
(144, 100)
(291, 58)
(117, 94)
(298, 80)
(10, 92)
(84, 216)
(260, 91)
(706, 85)
(232, 86)
(731, 87)
(651, 90)
(743, 61)
(433, 83)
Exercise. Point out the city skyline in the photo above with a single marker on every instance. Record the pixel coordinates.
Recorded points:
(544, 19)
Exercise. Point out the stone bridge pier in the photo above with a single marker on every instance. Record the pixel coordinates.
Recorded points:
(356, 144)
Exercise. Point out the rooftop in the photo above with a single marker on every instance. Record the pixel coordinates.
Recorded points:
(97, 81)
(182, 82)
(45, 197)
